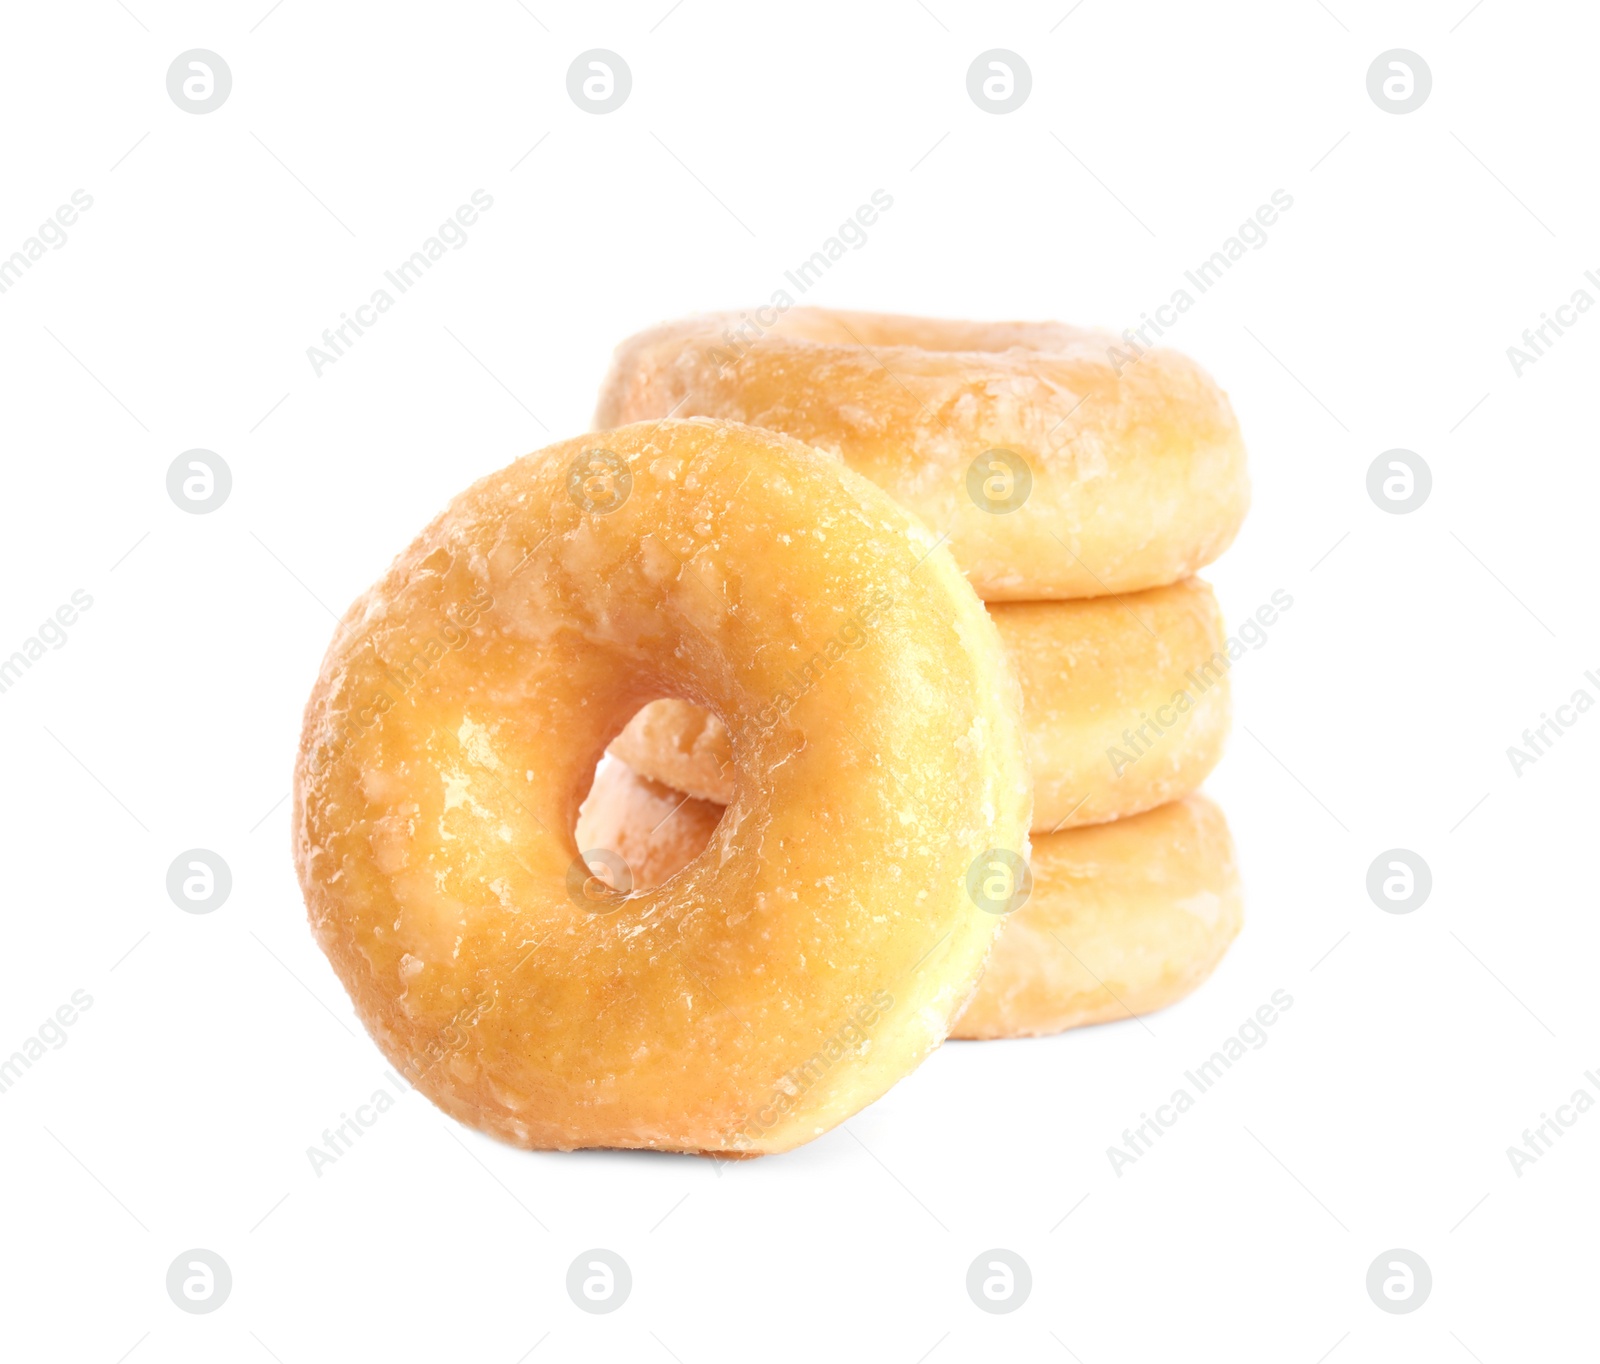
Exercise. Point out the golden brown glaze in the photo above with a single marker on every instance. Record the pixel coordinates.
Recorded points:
(1125, 918)
(1136, 464)
(819, 948)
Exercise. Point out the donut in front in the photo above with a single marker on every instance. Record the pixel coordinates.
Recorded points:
(819, 947)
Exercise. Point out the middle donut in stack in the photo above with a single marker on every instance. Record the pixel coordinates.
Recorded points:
(1078, 483)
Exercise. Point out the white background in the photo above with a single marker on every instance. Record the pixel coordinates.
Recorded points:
(1378, 715)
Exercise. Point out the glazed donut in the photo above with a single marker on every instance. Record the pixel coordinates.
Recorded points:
(1125, 707)
(1058, 462)
(819, 949)
(1123, 919)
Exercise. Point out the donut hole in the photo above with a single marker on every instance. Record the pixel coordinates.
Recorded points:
(635, 833)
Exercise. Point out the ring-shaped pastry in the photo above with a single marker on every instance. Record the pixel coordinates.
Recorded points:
(818, 948)
(1125, 918)
(1058, 462)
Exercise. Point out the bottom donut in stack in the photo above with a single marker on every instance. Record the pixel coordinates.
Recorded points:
(1123, 919)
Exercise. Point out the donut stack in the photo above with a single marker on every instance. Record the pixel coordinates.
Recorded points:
(1078, 483)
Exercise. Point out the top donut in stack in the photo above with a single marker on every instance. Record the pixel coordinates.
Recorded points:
(1059, 463)
(1077, 483)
